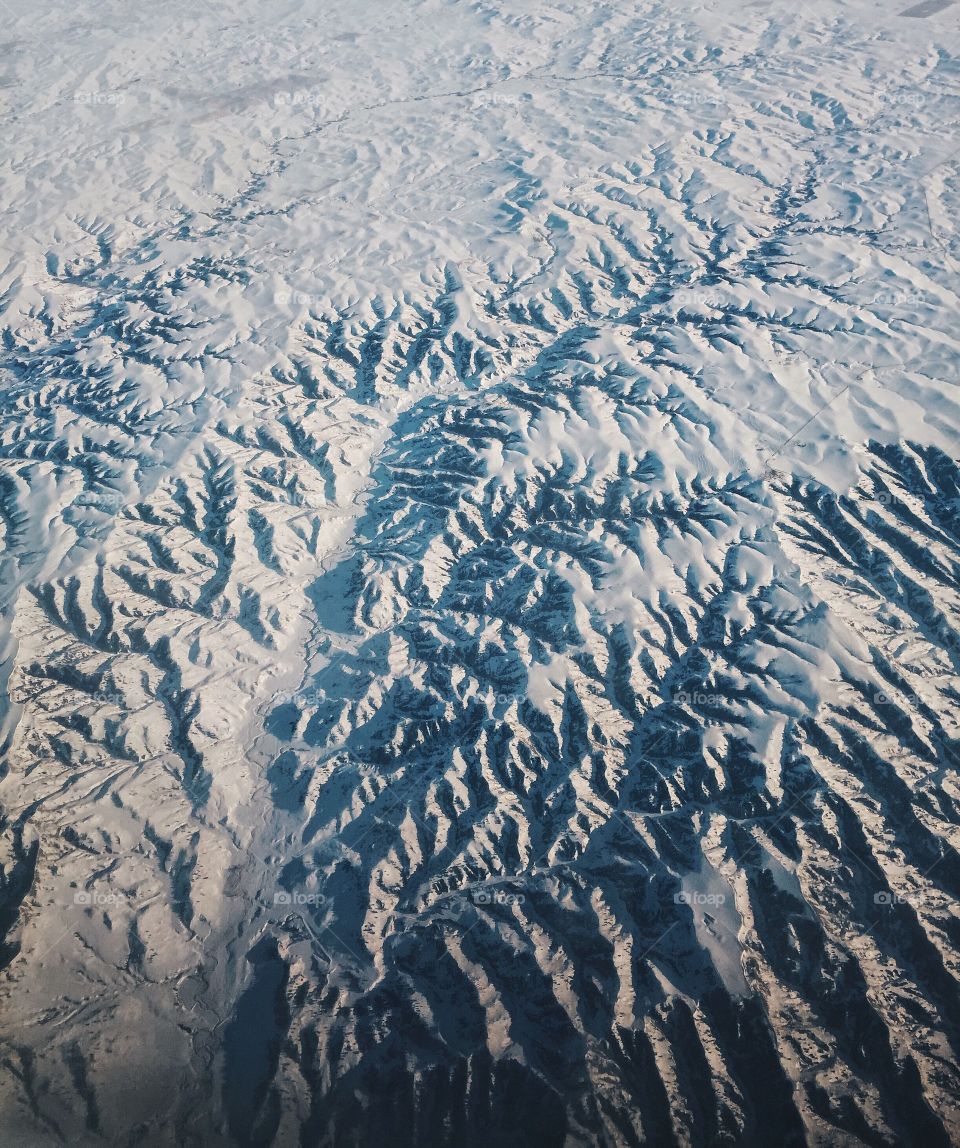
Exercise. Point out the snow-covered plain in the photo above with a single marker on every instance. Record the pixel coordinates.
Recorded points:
(479, 573)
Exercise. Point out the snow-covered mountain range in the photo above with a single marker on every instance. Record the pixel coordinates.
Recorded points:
(479, 574)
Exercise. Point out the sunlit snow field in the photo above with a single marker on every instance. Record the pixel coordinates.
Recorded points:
(479, 574)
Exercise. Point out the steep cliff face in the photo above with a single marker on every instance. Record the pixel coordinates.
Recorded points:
(479, 576)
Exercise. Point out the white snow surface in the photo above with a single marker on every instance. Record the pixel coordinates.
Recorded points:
(479, 569)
